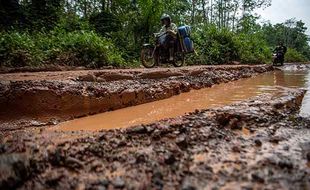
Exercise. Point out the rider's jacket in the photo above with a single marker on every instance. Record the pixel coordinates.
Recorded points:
(172, 27)
(281, 49)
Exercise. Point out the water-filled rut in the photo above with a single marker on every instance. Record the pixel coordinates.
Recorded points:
(258, 140)
(218, 95)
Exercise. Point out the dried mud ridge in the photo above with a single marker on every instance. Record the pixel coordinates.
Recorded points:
(54, 97)
(259, 143)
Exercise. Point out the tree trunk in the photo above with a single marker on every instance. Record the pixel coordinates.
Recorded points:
(103, 3)
(234, 17)
(193, 11)
(211, 12)
(204, 10)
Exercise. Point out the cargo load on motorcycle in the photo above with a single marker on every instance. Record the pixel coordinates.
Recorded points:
(152, 55)
(185, 40)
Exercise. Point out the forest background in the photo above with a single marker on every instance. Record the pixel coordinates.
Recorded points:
(97, 33)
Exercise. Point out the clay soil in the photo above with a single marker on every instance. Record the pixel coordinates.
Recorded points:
(44, 98)
(260, 143)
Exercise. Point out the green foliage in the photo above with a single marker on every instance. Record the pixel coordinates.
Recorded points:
(291, 33)
(18, 49)
(41, 15)
(10, 14)
(86, 48)
(73, 48)
(105, 23)
(215, 46)
(104, 32)
(252, 49)
(72, 23)
(219, 46)
(248, 24)
(292, 55)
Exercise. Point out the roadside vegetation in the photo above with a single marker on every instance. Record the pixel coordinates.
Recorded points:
(83, 48)
(110, 33)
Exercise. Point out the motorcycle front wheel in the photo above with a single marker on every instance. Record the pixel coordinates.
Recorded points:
(146, 57)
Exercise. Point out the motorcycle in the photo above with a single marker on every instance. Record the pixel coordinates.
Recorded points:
(278, 59)
(154, 55)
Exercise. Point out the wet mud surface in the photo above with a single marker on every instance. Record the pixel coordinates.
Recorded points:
(217, 96)
(45, 98)
(259, 143)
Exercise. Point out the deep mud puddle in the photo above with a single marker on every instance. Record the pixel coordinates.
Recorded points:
(218, 95)
(259, 142)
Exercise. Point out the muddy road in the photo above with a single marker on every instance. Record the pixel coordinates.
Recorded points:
(259, 142)
(47, 98)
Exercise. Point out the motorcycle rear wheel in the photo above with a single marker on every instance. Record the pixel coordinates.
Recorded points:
(180, 59)
(146, 57)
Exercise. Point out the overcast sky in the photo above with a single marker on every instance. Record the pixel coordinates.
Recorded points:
(282, 10)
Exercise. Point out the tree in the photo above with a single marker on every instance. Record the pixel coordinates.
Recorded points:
(105, 23)
(291, 32)
(10, 13)
(42, 14)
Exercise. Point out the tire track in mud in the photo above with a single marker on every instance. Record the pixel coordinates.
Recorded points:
(45, 102)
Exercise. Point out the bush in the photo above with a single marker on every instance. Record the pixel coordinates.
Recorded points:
(18, 50)
(220, 46)
(215, 46)
(84, 49)
(252, 49)
(293, 55)
(69, 48)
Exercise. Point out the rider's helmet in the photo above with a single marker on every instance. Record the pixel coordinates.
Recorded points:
(281, 43)
(165, 17)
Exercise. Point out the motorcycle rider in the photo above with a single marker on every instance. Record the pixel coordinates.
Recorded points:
(281, 51)
(168, 34)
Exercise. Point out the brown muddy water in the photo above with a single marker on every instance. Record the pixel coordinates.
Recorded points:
(218, 95)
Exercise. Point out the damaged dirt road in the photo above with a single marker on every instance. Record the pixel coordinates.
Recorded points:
(30, 99)
(259, 143)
